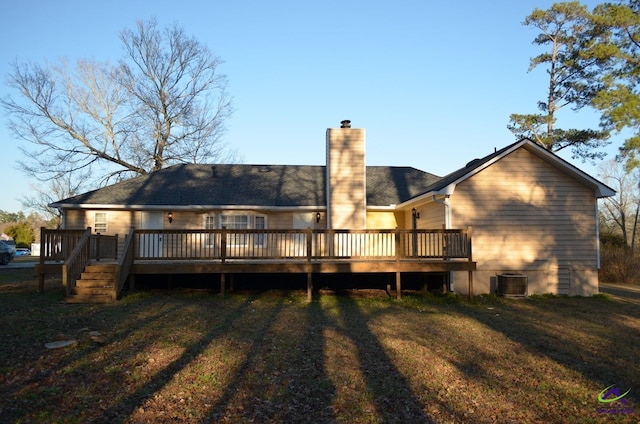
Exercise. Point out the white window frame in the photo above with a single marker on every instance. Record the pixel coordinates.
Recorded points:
(235, 240)
(100, 222)
(210, 223)
(260, 240)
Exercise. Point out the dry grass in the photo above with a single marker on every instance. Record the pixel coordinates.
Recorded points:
(357, 357)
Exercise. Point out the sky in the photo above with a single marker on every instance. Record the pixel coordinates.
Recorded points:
(432, 83)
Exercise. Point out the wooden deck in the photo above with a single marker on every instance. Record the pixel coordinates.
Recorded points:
(227, 252)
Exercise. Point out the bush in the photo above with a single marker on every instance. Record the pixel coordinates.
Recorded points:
(618, 266)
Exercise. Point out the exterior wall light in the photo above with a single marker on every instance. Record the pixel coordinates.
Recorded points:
(317, 217)
(170, 217)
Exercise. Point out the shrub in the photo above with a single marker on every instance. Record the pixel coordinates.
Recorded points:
(618, 265)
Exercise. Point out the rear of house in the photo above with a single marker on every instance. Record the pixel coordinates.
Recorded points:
(531, 212)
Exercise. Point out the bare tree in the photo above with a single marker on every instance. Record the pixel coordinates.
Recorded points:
(163, 103)
(65, 186)
(621, 211)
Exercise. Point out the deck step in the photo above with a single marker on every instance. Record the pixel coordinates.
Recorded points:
(96, 285)
(93, 290)
(110, 268)
(90, 283)
(97, 276)
(88, 298)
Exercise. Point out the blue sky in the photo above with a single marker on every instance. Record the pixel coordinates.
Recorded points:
(433, 83)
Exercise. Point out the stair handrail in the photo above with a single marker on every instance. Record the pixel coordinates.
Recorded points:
(76, 262)
(125, 261)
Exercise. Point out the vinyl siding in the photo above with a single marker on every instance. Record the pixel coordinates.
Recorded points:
(431, 216)
(530, 217)
(119, 222)
(381, 220)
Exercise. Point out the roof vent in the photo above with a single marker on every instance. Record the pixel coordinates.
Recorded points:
(213, 172)
(345, 124)
(471, 163)
(264, 168)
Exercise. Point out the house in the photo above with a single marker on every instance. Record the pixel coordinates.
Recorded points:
(531, 213)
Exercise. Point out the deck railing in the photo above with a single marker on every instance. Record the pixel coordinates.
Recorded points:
(76, 262)
(56, 245)
(124, 264)
(225, 244)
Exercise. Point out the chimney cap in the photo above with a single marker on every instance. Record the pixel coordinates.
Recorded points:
(345, 123)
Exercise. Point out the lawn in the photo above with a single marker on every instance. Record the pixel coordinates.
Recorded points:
(353, 357)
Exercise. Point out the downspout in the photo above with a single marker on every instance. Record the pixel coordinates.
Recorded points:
(447, 226)
(447, 210)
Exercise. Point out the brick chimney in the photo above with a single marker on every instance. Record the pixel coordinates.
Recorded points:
(346, 177)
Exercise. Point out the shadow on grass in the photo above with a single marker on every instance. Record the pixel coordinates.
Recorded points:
(340, 358)
(587, 337)
(391, 391)
(126, 406)
(292, 382)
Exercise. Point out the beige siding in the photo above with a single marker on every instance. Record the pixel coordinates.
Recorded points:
(346, 181)
(381, 220)
(76, 220)
(529, 217)
(431, 216)
(119, 222)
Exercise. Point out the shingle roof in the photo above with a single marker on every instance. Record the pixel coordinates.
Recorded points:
(444, 184)
(249, 185)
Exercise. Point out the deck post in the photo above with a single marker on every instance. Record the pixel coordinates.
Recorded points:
(223, 256)
(309, 271)
(398, 273)
(41, 271)
(469, 232)
(223, 244)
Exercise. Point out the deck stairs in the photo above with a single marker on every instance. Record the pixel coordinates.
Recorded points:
(96, 285)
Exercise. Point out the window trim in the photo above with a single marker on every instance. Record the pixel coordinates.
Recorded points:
(251, 224)
(210, 222)
(260, 240)
(103, 225)
(235, 240)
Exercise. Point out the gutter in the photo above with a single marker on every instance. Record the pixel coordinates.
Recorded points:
(186, 207)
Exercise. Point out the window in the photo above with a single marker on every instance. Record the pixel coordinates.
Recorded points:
(260, 223)
(210, 224)
(100, 222)
(235, 222)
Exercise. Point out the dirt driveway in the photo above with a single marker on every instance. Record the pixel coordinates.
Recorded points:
(623, 293)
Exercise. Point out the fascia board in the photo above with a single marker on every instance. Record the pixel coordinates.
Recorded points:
(184, 207)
